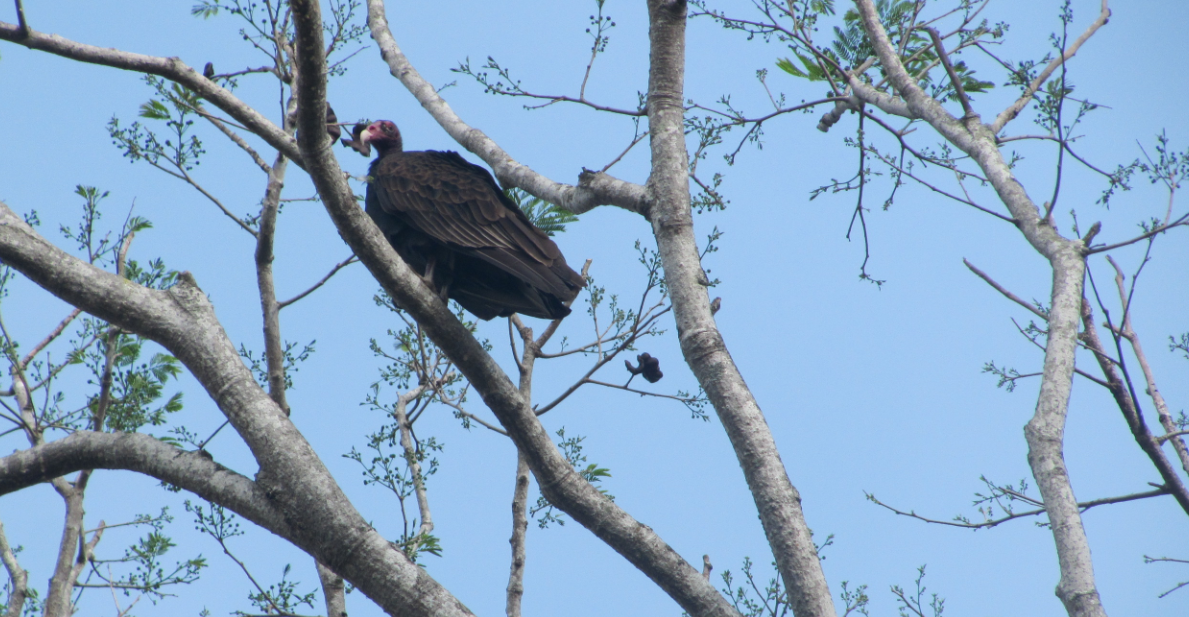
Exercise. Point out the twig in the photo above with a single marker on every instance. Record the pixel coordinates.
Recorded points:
(120, 612)
(1127, 332)
(21, 23)
(1076, 370)
(406, 442)
(604, 358)
(263, 594)
(234, 137)
(1082, 507)
(1182, 221)
(1166, 437)
(208, 439)
(339, 266)
(473, 417)
(50, 337)
(900, 169)
(635, 391)
(615, 160)
(1013, 110)
(949, 68)
(183, 175)
(513, 322)
(1011, 296)
(1125, 399)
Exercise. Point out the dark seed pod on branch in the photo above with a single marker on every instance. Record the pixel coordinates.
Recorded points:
(650, 367)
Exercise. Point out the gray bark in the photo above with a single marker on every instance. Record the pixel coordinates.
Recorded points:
(593, 188)
(57, 599)
(515, 591)
(170, 68)
(1147, 442)
(333, 591)
(778, 501)
(269, 308)
(313, 513)
(665, 201)
(18, 577)
(1045, 431)
(564, 487)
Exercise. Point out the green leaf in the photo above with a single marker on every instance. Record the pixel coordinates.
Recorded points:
(206, 10)
(812, 71)
(548, 217)
(155, 110)
(787, 66)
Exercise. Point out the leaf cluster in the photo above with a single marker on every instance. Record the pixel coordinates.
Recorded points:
(571, 448)
(548, 217)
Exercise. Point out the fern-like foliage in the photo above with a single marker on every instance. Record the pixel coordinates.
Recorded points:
(549, 218)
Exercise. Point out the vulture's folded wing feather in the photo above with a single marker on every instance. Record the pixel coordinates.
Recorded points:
(455, 202)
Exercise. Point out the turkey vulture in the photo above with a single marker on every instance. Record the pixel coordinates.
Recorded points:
(452, 224)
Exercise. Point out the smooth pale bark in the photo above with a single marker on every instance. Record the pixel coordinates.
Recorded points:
(18, 578)
(269, 308)
(558, 481)
(172, 69)
(57, 599)
(1147, 442)
(334, 591)
(665, 201)
(778, 501)
(593, 188)
(316, 516)
(143, 454)
(515, 590)
(1045, 431)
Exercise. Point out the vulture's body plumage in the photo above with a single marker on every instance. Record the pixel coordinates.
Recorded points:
(452, 224)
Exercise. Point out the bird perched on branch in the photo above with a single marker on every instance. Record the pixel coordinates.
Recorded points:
(449, 220)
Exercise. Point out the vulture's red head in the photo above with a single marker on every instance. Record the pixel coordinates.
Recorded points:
(383, 135)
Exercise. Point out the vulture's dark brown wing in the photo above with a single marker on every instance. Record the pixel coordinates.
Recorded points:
(459, 204)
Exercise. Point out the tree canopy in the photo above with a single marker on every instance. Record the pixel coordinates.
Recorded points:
(882, 384)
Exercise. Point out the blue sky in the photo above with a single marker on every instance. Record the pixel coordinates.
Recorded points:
(865, 389)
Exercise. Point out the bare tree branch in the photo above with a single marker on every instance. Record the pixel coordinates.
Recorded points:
(593, 188)
(333, 591)
(192, 471)
(18, 577)
(318, 517)
(235, 139)
(322, 281)
(1127, 405)
(1010, 296)
(559, 482)
(515, 591)
(1077, 589)
(270, 310)
(994, 522)
(49, 338)
(1013, 110)
(777, 500)
(1125, 330)
(1181, 221)
(949, 69)
(169, 68)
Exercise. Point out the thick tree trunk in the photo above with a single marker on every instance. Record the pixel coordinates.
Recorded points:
(776, 498)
